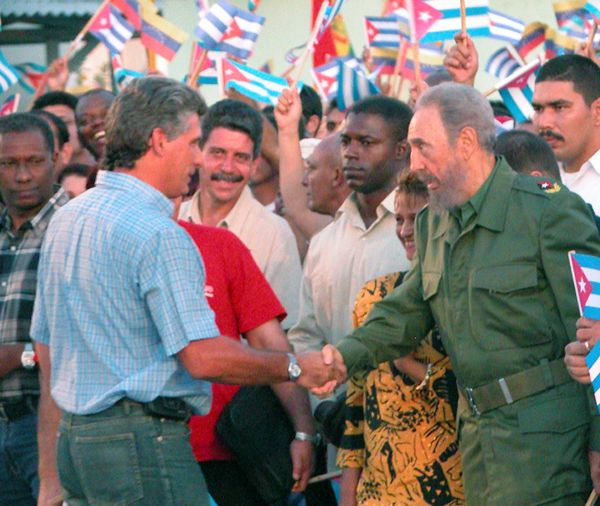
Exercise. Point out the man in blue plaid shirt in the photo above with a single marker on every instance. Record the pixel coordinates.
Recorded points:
(27, 162)
(121, 325)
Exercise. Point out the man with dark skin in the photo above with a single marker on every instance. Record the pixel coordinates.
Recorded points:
(27, 159)
(90, 114)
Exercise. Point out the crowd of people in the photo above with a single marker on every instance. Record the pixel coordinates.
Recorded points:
(396, 272)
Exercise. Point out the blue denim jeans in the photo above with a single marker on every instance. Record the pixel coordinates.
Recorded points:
(19, 484)
(123, 456)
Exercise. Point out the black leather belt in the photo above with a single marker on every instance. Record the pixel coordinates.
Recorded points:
(504, 391)
(172, 408)
(15, 409)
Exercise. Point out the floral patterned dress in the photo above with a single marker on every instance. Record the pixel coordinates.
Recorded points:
(401, 434)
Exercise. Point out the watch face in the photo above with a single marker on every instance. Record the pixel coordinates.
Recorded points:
(294, 371)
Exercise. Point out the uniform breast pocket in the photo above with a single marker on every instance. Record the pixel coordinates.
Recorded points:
(505, 309)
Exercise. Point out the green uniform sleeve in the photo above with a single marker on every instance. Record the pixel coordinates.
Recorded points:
(393, 328)
(568, 220)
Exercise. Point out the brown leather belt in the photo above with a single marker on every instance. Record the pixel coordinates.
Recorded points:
(515, 387)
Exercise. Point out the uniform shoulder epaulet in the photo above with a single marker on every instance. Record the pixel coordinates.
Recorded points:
(537, 185)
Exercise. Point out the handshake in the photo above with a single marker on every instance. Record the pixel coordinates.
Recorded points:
(322, 371)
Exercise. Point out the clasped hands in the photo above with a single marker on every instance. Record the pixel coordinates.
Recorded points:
(322, 371)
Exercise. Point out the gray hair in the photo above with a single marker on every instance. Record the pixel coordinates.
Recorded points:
(462, 106)
(145, 104)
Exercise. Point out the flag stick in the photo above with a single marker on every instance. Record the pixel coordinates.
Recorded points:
(517, 73)
(590, 41)
(151, 54)
(82, 33)
(400, 86)
(71, 49)
(593, 496)
(515, 54)
(417, 61)
(17, 101)
(311, 42)
(400, 61)
(193, 77)
(463, 17)
(325, 477)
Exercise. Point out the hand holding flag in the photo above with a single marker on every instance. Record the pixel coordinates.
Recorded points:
(462, 60)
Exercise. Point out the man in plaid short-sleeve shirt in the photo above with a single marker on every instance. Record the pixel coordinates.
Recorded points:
(27, 161)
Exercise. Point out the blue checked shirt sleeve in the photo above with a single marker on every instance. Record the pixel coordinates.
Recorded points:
(40, 331)
(171, 277)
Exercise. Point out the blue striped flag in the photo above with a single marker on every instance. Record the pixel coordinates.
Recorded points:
(326, 76)
(331, 12)
(517, 94)
(131, 10)
(353, 85)
(586, 278)
(229, 29)
(501, 64)
(112, 29)
(477, 16)
(8, 74)
(505, 27)
(122, 75)
(383, 31)
(593, 362)
(593, 7)
(259, 86)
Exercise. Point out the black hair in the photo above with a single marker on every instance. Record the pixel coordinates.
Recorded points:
(582, 72)
(395, 113)
(233, 115)
(61, 126)
(55, 98)
(75, 169)
(526, 152)
(21, 122)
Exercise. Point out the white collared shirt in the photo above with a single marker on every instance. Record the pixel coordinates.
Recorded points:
(341, 258)
(270, 240)
(586, 181)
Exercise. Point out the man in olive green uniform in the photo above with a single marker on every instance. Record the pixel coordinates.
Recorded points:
(492, 273)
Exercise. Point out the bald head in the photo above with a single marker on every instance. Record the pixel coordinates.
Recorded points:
(326, 188)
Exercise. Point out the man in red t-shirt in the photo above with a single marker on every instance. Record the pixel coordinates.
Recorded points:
(244, 304)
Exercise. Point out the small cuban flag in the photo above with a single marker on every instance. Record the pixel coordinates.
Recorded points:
(586, 277)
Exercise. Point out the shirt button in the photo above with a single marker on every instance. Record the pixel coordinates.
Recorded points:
(3, 283)
(13, 248)
(159, 439)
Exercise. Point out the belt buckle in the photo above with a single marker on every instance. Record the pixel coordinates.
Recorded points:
(471, 400)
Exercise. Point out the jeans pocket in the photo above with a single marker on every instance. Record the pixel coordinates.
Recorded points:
(109, 468)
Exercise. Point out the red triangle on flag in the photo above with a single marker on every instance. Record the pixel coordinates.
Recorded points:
(326, 82)
(102, 20)
(372, 31)
(583, 287)
(391, 6)
(232, 73)
(232, 31)
(424, 16)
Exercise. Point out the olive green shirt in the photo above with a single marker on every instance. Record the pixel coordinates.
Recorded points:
(499, 287)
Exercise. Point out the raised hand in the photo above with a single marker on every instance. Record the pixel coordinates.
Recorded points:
(58, 74)
(462, 60)
(288, 110)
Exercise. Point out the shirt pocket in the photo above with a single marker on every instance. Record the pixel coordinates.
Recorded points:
(505, 307)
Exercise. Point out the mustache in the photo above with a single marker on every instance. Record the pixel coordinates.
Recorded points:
(549, 134)
(222, 176)
(425, 177)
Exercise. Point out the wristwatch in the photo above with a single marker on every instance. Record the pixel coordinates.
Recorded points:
(294, 370)
(28, 357)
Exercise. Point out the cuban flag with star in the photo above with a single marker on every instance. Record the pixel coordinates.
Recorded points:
(586, 277)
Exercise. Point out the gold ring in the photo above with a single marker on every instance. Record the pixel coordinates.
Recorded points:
(587, 345)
